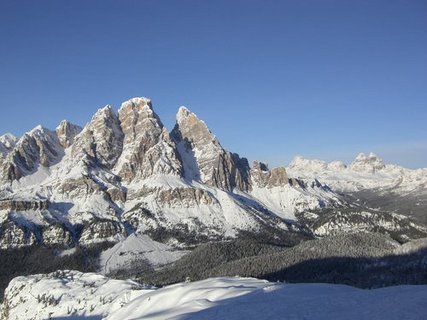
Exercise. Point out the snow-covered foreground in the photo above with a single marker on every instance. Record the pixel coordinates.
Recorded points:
(74, 295)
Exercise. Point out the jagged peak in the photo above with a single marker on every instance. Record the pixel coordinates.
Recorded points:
(104, 112)
(142, 102)
(138, 108)
(63, 123)
(258, 165)
(138, 120)
(66, 132)
(39, 133)
(37, 128)
(8, 140)
(8, 136)
(36, 132)
(190, 122)
(183, 112)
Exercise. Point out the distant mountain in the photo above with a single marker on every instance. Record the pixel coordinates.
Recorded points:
(124, 173)
(369, 182)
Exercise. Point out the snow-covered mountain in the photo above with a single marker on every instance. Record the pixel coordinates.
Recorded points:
(370, 182)
(75, 295)
(123, 194)
(124, 172)
(365, 172)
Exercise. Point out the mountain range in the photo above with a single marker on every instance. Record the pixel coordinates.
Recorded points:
(127, 199)
(125, 172)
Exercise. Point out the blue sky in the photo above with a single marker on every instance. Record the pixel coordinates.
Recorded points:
(272, 79)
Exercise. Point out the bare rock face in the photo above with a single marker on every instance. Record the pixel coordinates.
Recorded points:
(205, 159)
(101, 139)
(7, 143)
(40, 146)
(278, 177)
(147, 147)
(262, 177)
(66, 133)
(260, 174)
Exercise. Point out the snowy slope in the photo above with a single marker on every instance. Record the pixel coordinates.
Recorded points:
(137, 246)
(73, 295)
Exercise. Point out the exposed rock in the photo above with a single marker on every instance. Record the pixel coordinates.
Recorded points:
(7, 143)
(263, 177)
(40, 146)
(181, 195)
(66, 132)
(147, 147)
(211, 163)
(101, 139)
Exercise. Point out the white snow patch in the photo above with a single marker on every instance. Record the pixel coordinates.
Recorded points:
(137, 246)
(72, 294)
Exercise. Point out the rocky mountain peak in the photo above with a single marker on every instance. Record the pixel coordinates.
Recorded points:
(8, 141)
(138, 118)
(141, 103)
(66, 132)
(147, 147)
(209, 162)
(40, 146)
(367, 163)
(257, 165)
(194, 130)
(104, 112)
(262, 177)
(101, 138)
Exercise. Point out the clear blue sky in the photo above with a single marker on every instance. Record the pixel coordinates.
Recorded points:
(272, 79)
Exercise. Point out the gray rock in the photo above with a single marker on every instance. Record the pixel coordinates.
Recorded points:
(211, 163)
(147, 147)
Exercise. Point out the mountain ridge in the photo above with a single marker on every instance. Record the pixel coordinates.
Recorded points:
(124, 172)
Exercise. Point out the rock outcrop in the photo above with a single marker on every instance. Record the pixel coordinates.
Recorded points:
(262, 177)
(39, 147)
(207, 161)
(7, 143)
(66, 133)
(101, 139)
(147, 146)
